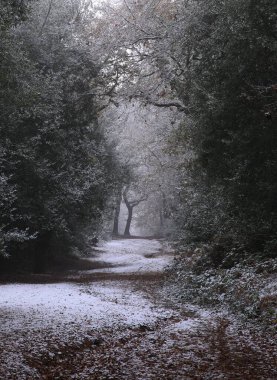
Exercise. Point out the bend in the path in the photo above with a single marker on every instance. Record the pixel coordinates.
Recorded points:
(133, 256)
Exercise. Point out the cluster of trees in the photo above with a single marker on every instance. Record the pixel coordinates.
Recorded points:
(140, 134)
(214, 62)
(57, 170)
(169, 106)
(225, 61)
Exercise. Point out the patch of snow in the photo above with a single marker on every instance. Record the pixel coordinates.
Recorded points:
(34, 315)
(270, 288)
(91, 305)
(185, 324)
(132, 255)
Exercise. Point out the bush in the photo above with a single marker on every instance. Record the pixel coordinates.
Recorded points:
(248, 290)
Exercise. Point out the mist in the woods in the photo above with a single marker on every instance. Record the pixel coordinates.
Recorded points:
(138, 183)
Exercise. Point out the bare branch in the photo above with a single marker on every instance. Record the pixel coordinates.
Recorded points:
(134, 203)
(46, 17)
(178, 105)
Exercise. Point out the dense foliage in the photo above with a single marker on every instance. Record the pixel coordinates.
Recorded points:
(225, 58)
(222, 65)
(208, 162)
(56, 167)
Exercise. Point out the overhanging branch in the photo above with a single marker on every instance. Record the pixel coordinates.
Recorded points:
(178, 105)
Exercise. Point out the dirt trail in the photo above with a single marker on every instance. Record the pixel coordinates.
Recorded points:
(112, 323)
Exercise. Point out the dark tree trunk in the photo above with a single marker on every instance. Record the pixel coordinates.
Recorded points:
(162, 214)
(116, 217)
(129, 221)
(130, 205)
(161, 220)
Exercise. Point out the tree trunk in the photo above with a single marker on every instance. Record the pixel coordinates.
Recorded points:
(129, 220)
(116, 216)
(161, 222)
(163, 209)
(130, 205)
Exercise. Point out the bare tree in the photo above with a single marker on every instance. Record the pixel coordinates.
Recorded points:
(130, 204)
(117, 213)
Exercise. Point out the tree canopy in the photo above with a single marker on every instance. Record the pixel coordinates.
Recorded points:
(174, 100)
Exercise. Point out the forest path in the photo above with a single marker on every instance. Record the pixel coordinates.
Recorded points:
(112, 323)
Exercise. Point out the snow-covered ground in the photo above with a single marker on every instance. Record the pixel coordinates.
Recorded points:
(91, 304)
(34, 316)
(132, 255)
(106, 325)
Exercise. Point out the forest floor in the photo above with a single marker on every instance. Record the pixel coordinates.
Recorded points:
(116, 322)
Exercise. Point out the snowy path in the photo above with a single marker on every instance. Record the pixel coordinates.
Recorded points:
(110, 323)
(133, 256)
(68, 311)
(91, 305)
